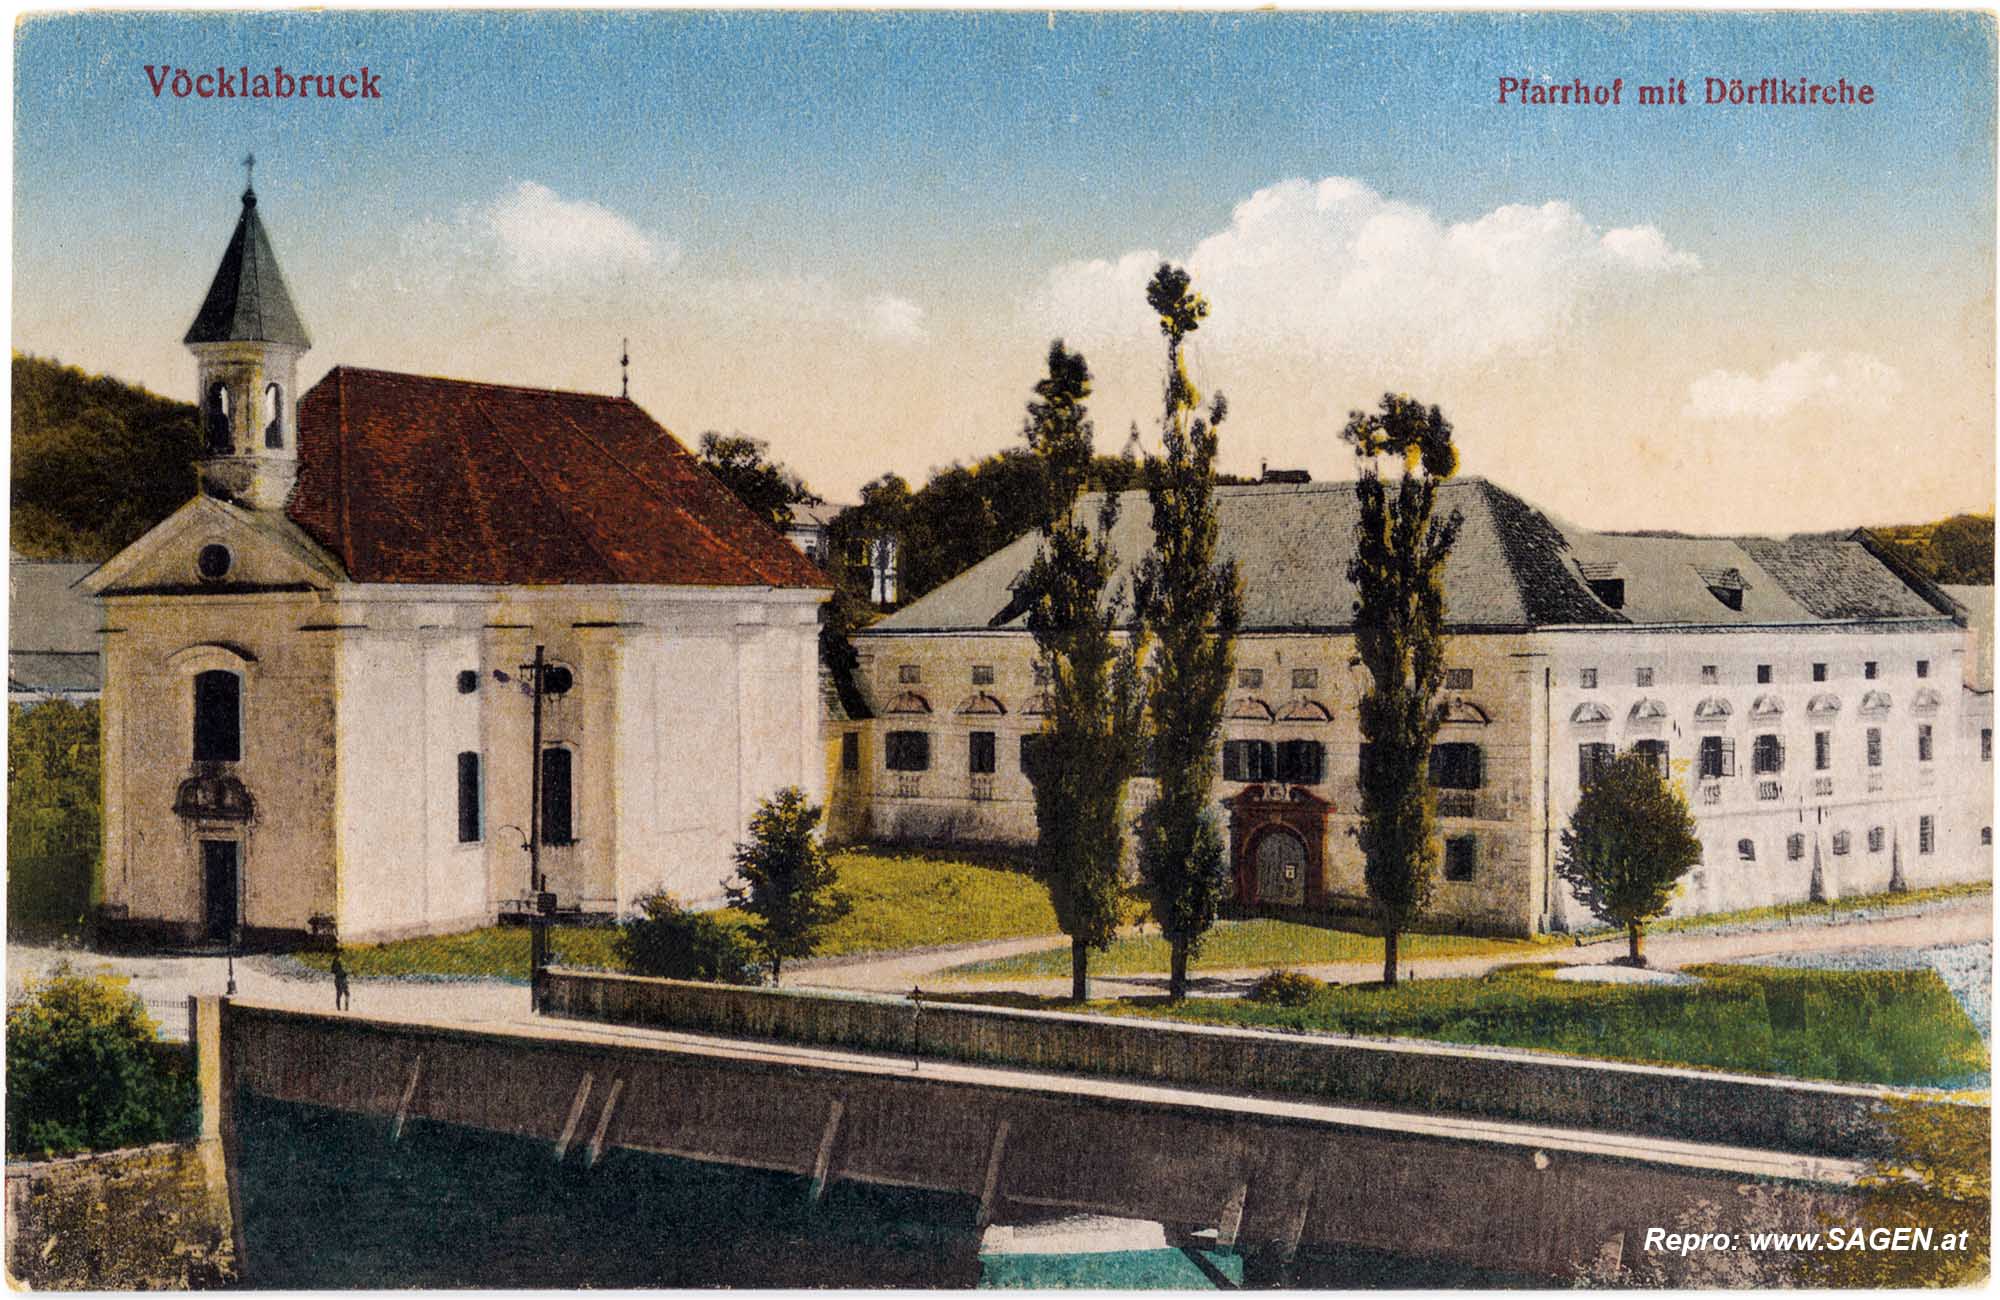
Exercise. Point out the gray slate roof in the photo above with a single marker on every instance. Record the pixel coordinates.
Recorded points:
(247, 300)
(52, 629)
(1514, 567)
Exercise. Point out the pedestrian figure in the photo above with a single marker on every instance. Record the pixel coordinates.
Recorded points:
(339, 984)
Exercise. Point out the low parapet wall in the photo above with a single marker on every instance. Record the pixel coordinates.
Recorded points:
(1841, 1120)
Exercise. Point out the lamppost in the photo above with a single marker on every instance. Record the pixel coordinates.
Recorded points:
(544, 678)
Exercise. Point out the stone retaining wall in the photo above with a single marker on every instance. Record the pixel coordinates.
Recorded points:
(144, 1218)
(1840, 1120)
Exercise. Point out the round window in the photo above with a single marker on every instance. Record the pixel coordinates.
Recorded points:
(214, 562)
(556, 680)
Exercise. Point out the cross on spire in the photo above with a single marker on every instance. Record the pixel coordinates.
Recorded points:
(249, 169)
(624, 367)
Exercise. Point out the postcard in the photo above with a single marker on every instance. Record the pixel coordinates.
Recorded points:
(983, 648)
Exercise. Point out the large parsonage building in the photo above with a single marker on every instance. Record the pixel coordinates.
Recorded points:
(1808, 693)
(313, 705)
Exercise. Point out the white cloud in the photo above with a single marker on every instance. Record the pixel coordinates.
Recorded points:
(543, 238)
(896, 319)
(1851, 382)
(1334, 270)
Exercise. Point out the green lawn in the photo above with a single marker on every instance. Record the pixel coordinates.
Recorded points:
(1803, 913)
(1238, 944)
(906, 898)
(1890, 1027)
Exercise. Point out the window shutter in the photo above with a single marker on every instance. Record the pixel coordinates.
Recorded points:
(1232, 761)
(1728, 755)
(1475, 767)
(1779, 746)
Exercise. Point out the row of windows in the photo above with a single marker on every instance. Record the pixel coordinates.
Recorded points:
(1843, 842)
(1454, 765)
(1711, 674)
(558, 819)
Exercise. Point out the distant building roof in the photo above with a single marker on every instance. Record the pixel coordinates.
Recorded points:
(408, 478)
(247, 301)
(815, 516)
(1513, 567)
(1978, 603)
(52, 630)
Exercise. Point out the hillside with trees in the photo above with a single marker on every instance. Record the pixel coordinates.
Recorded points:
(96, 462)
(1955, 550)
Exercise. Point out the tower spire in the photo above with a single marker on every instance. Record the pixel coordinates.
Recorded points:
(249, 175)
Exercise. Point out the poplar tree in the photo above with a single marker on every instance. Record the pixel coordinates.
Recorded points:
(1398, 574)
(1192, 605)
(1089, 744)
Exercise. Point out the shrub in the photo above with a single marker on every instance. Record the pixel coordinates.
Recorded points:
(665, 939)
(85, 1071)
(53, 815)
(1286, 988)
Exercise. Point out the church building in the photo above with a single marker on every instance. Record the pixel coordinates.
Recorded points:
(316, 705)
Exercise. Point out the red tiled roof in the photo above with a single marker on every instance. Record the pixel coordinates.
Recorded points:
(408, 478)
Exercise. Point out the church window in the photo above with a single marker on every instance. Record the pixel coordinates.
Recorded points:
(1746, 850)
(468, 681)
(908, 751)
(1926, 834)
(274, 432)
(979, 756)
(468, 798)
(213, 562)
(1795, 848)
(1877, 837)
(218, 717)
(558, 805)
(1841, 843)
(215, 418)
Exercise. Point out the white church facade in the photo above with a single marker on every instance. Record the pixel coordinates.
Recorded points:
(315, 715)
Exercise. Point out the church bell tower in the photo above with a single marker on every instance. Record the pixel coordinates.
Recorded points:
(247, 340)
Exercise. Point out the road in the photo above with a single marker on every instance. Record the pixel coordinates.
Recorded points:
(271, 980)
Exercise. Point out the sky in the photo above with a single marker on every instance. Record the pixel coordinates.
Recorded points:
(854, 234)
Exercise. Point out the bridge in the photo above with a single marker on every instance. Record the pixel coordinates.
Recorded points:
(1267, 1175)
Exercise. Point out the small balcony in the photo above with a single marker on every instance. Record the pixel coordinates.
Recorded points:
(1874, 782)
(1457, 803)
(907, 785)
(980, 787)
(1711, 793)
(1768, 790)
(1822, 787)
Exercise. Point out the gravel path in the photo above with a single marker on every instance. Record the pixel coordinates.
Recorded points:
(1954, 921)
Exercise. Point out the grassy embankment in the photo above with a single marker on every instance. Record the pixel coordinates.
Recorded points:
(902, 899)
(1890, 1027)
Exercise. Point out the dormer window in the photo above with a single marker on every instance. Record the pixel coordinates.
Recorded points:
(1726, 585)
(1606, 581)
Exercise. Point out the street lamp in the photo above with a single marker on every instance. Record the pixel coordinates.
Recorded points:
(544, 678)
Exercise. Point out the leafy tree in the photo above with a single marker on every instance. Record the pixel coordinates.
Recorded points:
(54, 813)
(85, 1071)
(1089, 745)
(764, 485)
(1398, 574)
(1192, 604)
(1627, 845)
(665, 939)
(1939, 1176)
(788, 880)
(95, 462)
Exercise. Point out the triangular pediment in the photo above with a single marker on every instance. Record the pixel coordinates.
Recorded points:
(260, 550)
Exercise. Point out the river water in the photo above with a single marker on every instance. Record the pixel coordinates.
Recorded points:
(330, 1203)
